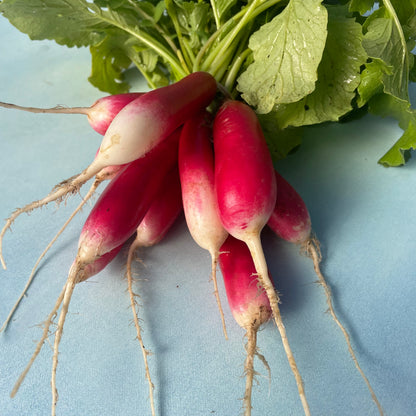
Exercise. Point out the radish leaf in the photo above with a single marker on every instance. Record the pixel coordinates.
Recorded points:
(338, 75)
(286, 52)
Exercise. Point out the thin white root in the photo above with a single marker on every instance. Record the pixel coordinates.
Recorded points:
(256, 250)
(69, 186)
(32, 274)
(313, 250)
(73, 279)
(251, 348)
(57, 110)
(39, 345)
(214, 262)
(134, 306)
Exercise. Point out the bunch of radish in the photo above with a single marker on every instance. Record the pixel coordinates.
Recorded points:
(189, 147)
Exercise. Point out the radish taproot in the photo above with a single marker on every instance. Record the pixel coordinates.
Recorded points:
(246, 192)
(196, 169)
(100, 114)
(248, 302)
(134, 131)
(291, 221)
(162, 213)
(112, 221)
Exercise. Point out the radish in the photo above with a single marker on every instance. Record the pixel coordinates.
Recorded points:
(113, 220)
(196, 169)
(136, 129)
(291, 221)
(100, 114)
(164, 210)
(248, 302)
(246, 193)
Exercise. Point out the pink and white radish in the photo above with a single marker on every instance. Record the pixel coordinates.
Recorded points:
(100, 114)
(196, 169)
(163, 212)
(246, 193)
(248, 302)
(114, 219)
(291, 221)
(135, 130)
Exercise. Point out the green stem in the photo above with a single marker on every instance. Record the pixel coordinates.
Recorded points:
(216, 14)
(152, 43)
(235, 68)
(172, 14)
(225, 44)
(229, 32)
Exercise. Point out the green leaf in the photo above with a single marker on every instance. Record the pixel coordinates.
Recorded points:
(194, 19)
(400, 152)
(280, 142)
(361, 6)
(70, 23)
(386, 105)
(404, 9)
(338, 75)
(108, 64)
(286, 52)
(223, 7)
(385, 40)
(372, 80)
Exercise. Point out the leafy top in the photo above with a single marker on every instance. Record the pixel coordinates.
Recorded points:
(297, 62)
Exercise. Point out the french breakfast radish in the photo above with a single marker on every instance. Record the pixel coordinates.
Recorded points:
(248, 302)
(135, 130)
(246, 192)
(291, 221)
(196, 169)
(113, 220)
(100, 114)
(162, 213)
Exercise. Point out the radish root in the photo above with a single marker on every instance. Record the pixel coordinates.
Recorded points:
(254, 245)
(251, 348)
(69, 186)
(32, 274)
(39, 345)
(134, 307)
(73, 278)
(214, 262)
(312, 248)
(59, 109)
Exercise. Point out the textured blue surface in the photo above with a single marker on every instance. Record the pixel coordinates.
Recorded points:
(363, 214)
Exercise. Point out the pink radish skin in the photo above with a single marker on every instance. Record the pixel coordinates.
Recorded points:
(248, 302)
(135, 130)
(196, 169)
(114, 218)
(152, 117)
(116, 214)
(246, 192)
(291, 221)
(163, 212)
(100, 114)
(290, 218)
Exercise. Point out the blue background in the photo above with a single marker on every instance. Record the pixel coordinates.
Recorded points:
(363, 214)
